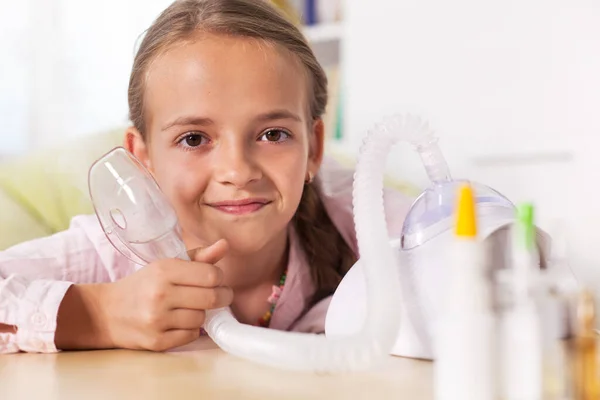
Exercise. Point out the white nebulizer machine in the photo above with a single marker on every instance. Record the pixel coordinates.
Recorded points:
(423, 250)
(388, 303)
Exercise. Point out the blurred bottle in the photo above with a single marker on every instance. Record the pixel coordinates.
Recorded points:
(585, 350)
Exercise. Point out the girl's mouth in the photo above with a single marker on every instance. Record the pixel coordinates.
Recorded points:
(240, 207)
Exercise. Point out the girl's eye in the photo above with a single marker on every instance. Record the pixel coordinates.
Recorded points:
(275, 135)
(193, 140)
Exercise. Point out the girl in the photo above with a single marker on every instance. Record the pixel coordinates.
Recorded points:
(225, 100)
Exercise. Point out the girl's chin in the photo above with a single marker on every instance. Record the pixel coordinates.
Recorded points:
(242, 239)
(245, 245)
(237, 243)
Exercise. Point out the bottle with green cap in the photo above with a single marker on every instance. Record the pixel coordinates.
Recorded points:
(521, 338)
(524, 255)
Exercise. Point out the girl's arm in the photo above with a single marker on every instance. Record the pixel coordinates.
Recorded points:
(36, 287)
(73, 290)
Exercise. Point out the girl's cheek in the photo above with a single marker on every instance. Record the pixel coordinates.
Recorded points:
(188, 188)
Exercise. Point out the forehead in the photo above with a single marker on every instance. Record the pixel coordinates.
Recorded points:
(218, 76)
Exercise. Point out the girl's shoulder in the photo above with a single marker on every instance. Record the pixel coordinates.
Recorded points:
(337, 182)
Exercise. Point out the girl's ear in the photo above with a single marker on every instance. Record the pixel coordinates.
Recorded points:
(316, 146)
(136, 145)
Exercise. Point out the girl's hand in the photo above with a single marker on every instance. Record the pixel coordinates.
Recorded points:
(163, 305)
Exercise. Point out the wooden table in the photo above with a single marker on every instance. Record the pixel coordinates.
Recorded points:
(198, 371)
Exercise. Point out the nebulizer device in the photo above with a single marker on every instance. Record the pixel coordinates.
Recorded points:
(383, 305)
(424, 248)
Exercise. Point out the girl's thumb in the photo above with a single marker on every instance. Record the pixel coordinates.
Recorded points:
(210, 254)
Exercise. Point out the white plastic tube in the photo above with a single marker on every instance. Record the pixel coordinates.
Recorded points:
(295, 351)
(418, 133)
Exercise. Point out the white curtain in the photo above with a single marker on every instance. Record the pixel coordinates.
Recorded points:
(64, 67)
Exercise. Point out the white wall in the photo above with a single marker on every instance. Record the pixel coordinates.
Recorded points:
(512, 87)
(65, 67)
(13, 77)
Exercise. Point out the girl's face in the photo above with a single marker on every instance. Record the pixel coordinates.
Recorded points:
(229, 138)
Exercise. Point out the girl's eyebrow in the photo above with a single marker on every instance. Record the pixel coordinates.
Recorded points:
(277, 115)
(189, 120)
(204, 121)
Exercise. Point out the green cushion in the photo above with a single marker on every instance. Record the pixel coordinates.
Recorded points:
(41, 191)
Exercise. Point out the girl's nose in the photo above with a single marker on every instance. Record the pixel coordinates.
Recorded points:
(234, 165)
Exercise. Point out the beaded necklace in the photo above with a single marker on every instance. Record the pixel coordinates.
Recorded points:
(265, 320)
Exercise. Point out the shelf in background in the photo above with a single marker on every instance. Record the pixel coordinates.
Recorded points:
(324, 32)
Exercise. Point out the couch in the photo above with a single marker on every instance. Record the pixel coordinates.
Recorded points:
(42, 190)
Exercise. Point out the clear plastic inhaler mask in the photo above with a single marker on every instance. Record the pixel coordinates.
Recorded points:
(140, 223)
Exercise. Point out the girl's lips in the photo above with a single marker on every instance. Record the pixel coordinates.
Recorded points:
(240, 207)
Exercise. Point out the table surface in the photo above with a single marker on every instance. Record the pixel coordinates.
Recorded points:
(200, 370)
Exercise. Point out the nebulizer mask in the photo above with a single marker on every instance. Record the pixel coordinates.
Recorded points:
(394, 282)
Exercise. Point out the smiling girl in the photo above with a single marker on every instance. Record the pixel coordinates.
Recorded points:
(226, 99)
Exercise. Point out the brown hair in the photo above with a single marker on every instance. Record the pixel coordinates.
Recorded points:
(328, 255)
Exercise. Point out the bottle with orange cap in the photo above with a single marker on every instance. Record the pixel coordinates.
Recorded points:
(465, 344)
